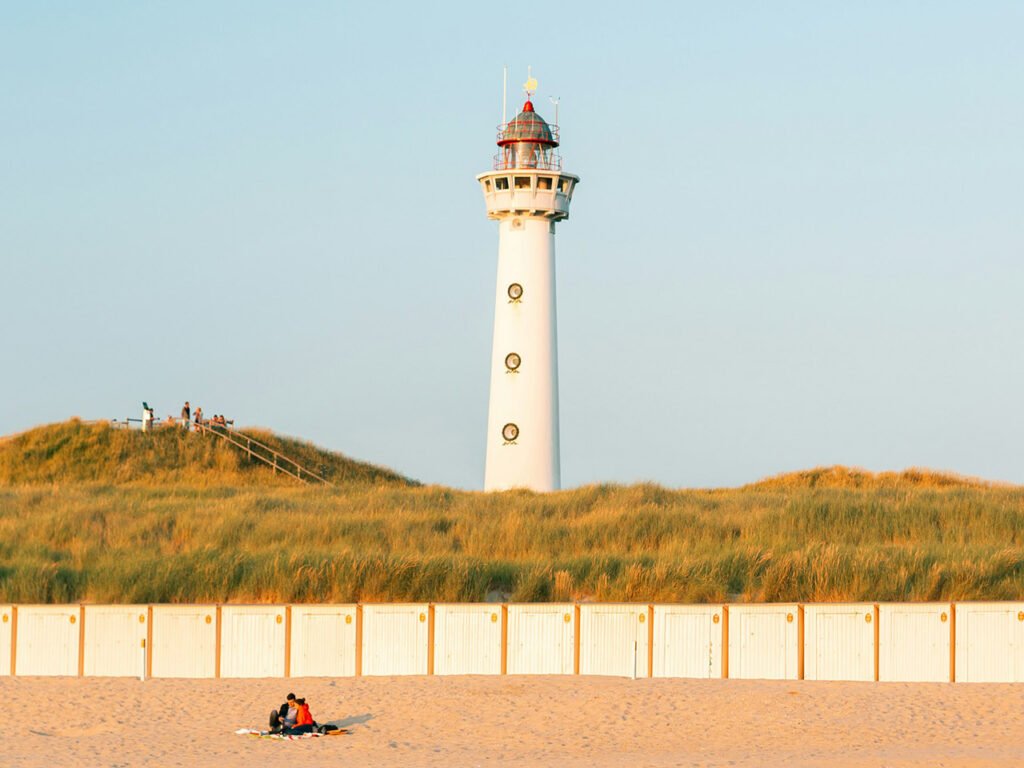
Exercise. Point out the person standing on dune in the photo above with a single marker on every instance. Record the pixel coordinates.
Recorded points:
(186, 415)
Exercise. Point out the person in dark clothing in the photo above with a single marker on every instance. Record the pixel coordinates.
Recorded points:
(285, 716)
(186, 414)
(304, 722)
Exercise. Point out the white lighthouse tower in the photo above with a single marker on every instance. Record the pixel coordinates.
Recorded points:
(527, 193)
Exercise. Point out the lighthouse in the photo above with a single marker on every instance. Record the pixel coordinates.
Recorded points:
(527, 193)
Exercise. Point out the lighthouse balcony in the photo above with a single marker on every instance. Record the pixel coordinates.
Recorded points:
(528, 191)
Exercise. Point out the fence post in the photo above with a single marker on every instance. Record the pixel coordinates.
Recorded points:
(430, 639)
(650, 640)
(287, 641)
(14, 640)
(877, 637)
(952, 642)
(725, 641)
(81, 641)
(576, 640)
(216, 665)
(800, 642)
(359, 639)
(504, 639)
(149, 641)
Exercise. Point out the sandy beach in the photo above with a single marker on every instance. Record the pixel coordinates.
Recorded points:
(470, 721)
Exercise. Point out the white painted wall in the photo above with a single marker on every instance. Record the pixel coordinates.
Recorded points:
(184, 641)
(990, 642)
(323, 641)
(764, 641)
(47, 641)
(6, 623)
(541, 639)
(395, 639)
(688, 641)
(913, 643)
(252, 641)
(529, 396)
(114, 636)
(613, 639)
(839, 641)
(467, 639)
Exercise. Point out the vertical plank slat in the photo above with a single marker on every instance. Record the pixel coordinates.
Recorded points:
(149, 642)
(650, 640)
(504, 639)
(81, 641)
(877, 640)
(800, 642)
(287, 641)
(14, 640)
(952, 642)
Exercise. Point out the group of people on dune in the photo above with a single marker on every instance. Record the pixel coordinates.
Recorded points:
(293, 718)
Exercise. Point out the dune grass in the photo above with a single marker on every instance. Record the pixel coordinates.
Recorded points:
(211, 530)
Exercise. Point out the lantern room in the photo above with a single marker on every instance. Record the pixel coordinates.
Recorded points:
(527, 141)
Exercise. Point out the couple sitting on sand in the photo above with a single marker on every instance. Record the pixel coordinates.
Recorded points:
(293, 718)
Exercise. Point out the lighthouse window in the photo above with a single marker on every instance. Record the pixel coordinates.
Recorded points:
(515, 291)
(522, 182)
(563, 186)
(487, 186)
(501, 183)
(512, 361)
(544, 182)
(510, 432)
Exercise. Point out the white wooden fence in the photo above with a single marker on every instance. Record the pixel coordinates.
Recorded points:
(907, 642)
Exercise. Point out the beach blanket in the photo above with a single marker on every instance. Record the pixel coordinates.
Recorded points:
(288, 737)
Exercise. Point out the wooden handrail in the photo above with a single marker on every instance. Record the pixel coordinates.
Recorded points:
(297, 471)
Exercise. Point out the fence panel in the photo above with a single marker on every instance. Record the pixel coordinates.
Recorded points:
(914, 642)
(688, 641)
(764, 642)
(395, 639)
(252, 641)
(6, 623)
(541, 639)
(114, 640)
(47, 642)
(467, 639)
(323, 642)
(613, 640)
(184, 641)
(839, 641)
(990, 642)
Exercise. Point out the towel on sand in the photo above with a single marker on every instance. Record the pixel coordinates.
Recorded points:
(285, 736)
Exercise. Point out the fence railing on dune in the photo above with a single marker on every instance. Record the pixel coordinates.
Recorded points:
(887, 642)
(254, 449)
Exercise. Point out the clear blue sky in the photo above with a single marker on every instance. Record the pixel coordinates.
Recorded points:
(799, 239)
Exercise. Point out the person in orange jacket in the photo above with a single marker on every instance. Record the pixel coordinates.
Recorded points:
(303, 721)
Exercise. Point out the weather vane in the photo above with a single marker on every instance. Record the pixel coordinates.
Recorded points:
(530, 86)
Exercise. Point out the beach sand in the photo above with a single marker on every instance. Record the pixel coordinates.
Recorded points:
(469, 721)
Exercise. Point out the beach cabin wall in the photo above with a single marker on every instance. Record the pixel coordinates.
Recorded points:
(184, 641)
(688, 641)
(914, 642)
(764, 641)
(839, 641)
(541, 639)
(395, 639)
(6, 627)
(252, 641)
(48, 640)
(614, 639)
(468, 639)
(990, 642)
(323, 641)
(114, 640)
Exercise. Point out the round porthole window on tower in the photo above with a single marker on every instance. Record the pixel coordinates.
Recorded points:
(515, 291)
(512, 361)
(510, 432)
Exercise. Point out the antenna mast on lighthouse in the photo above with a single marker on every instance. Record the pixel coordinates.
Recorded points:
(527, 193)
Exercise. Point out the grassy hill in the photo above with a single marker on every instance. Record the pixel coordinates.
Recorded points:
(75, 452)
(90, 513)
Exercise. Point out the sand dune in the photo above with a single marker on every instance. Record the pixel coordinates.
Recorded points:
(469, 721)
